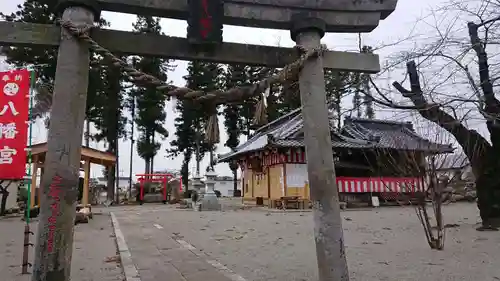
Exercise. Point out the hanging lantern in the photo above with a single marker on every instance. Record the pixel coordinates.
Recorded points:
(205, 22)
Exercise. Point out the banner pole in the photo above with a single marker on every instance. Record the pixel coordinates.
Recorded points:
(30, 142)
(27, 231)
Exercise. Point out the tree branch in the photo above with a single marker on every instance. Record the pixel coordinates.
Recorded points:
(492, 104)
(469, 140)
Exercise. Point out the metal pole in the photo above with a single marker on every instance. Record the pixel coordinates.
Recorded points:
(328, 234)
(131, 150)
(27, 230)
(197, 135)
(151, 165)
(54, 245)
(117, 172)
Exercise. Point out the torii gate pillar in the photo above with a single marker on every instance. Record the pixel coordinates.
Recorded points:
(332, 265)
(54, 244)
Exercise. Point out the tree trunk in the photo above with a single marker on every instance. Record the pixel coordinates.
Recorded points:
(111, 183)
(235, 182)
(151, 165)
(488, 191)
(111, 178)
(5, 195)
(147, 166)
(185, 170)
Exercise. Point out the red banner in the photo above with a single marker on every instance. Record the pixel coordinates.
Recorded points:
(14, 107)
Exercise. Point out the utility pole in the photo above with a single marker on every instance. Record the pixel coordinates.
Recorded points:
(54, 245)
(328, 234)
(197, 134)
(117, 172)
(152, 161)
(87, 133)
(131, 149)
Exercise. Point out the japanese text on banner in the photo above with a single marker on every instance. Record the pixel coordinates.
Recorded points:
(14, 107)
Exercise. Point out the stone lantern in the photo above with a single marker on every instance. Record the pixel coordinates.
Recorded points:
(210, 201)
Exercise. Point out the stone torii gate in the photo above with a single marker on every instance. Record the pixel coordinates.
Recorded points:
(307, 21)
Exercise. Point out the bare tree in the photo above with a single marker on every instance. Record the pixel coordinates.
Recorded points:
(459, 94)
(421, 183)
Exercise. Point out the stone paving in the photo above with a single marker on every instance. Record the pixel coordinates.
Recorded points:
(94, 250)
(166, 243)
(160, 255)
(381, 244)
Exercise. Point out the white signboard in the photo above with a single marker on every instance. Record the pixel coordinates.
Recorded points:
(296, 175)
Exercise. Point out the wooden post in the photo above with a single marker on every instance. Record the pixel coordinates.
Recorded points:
(54, 243)
(306, 191)
(328, 234)
(34, 174)
(285, 184)
(86, 181)
(42, 169)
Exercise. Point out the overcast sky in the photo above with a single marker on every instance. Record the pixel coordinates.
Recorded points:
(399, 25)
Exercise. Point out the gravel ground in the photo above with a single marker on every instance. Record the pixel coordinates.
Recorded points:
(382, 244)
(94, 250)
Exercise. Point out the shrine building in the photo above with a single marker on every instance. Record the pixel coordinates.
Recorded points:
(372, 158)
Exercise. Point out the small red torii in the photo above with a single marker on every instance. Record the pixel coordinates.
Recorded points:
(161, 178)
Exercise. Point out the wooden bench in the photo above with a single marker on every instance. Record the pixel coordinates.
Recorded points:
(289, 202)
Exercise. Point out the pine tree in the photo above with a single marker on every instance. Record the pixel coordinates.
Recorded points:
(186, 134)
(190, 125)
(250, 76)
(33, 12)
(206, 77)
(150, 102)
(336, 86)
(290, 96)
(235, 75)
(360, 88)
(275, 106)
(45, 60)
(356, 98)
(108, 118)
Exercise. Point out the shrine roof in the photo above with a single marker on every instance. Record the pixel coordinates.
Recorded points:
(95, 156)
(388, 134)
(357, 133)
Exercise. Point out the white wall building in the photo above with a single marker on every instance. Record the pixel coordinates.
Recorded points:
(454, 166)
(12, 187)
(123, 182)
(225, 185)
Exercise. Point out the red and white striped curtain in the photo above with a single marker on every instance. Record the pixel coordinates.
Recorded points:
(380, 184)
